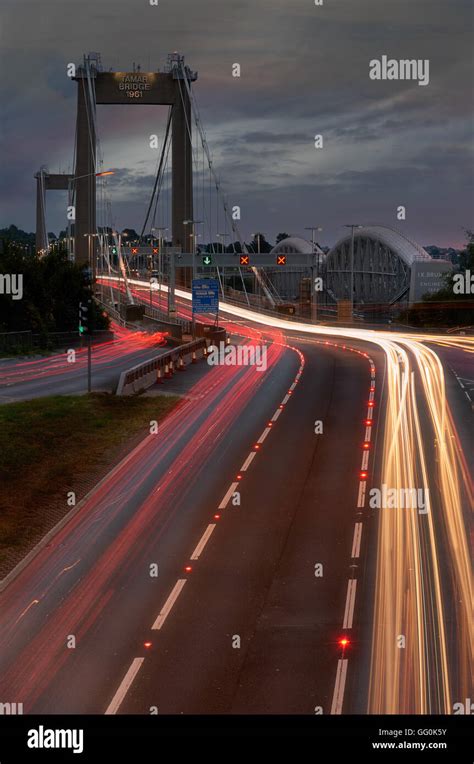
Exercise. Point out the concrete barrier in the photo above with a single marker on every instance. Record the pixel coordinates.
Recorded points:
(146, 374)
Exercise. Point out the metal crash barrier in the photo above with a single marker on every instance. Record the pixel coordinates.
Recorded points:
(148, 373)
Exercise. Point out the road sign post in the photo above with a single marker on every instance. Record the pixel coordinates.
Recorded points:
(89, 364)
(205, 298)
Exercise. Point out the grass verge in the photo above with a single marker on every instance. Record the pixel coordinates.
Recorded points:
(51, 446)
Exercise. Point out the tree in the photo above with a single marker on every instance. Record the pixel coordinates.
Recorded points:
(282, 236)
(260, 244)
(130, 235)
(52, 289)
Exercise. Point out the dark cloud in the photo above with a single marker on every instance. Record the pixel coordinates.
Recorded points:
(304, 71)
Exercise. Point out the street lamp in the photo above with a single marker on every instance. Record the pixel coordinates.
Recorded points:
(70, 181)
(352, 226)
(222, 236)
(161, 230)
(193, 224)
(257, 237)
(314, 304)
(92, 264)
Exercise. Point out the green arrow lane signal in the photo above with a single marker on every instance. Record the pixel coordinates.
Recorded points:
(207, 260)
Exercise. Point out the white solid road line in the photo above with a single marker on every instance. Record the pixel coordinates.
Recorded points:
(125, 685)
(276, 415)
(356, 541)
(264, 435)
(368, 433)
(248, 461)
(339, 687)
(286, 399)
(226, 498)
(350, 602)
(361, 497)
(292, 387)
(165, 611)
(369, 413)
(204, 539)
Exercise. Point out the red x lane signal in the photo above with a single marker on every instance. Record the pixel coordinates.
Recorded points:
(281, 260)
(244, 259)
(134, 250)
(156, 250)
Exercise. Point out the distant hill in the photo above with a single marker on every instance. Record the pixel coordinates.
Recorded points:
(14, 234)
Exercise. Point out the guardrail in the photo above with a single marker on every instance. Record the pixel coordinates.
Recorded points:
(160, 315)
(144, 375)
(150, 312)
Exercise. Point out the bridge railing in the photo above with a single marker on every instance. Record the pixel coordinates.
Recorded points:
(144, 375)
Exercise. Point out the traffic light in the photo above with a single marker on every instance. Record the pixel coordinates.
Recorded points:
(113, 250)
(85, 318)
(244, 259)
(207, 260)
(156, 250)
(281, 259)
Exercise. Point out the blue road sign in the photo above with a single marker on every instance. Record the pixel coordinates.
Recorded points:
(205, 295)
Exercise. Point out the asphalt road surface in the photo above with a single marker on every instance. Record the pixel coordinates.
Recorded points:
(257, 623)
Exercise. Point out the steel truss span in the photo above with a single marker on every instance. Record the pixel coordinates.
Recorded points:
(383, 260)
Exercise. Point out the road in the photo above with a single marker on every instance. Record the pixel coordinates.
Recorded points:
(280, 589)
(23, 379)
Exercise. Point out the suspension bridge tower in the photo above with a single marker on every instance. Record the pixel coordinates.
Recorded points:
(172, 88)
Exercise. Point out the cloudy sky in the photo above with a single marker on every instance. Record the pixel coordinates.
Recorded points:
(304, 71)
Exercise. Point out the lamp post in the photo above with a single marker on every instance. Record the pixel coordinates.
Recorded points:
(256, 237)
(161, 230)
(193, 224)
(313, 299)
(73, 178)
(352, 226)
(121, 266)
(90, 257)
(222, 236)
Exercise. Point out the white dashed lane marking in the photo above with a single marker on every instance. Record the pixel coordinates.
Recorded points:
(226, 498)
(264, 435)
(350, 602)
(339, 686)
(365, 460)
(125, 685)
(204, 539)
(165, 611)
(356, 541)
(248, 462)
